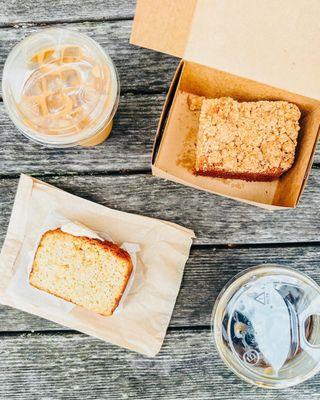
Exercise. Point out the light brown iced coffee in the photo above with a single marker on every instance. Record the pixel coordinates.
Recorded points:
(67, 91)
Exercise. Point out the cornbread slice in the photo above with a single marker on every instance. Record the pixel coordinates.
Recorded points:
(88, 272)
(254, 141)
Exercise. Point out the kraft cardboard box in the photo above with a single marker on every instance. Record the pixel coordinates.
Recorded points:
(249, 51)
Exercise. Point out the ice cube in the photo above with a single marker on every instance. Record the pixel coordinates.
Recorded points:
(53, 82)
(59, 102)
(71, 54)
(42, 57)
(71, 78)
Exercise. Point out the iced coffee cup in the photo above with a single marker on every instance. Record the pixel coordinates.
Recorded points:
(266, 326)
(61, 89)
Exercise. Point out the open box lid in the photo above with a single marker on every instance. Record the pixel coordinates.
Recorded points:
(275, 42)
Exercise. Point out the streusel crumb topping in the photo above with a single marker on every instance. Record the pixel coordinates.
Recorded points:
(247, 137)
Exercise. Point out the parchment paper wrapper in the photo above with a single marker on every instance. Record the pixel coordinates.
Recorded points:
(147, 308)
(19, 285)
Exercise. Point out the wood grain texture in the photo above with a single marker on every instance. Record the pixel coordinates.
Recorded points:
(22, 11)
(215, 220)
(57, 364)
(128, 148)
(206, 272)
(76, 366)
(140, 70)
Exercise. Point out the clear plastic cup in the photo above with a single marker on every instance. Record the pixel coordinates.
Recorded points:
(266, 326)
(61, 89)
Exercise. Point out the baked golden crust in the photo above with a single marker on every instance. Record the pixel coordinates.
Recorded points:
(253, 141)
(268, 176)
(118, 253)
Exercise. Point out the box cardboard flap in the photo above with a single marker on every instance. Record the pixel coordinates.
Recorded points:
(274, 42)
(163, 25)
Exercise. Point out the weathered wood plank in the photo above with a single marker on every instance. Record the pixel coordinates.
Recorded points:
(139, 69)
(128, 148)
(72, 365)
(207, 271)
(19, 11)
(216, 220)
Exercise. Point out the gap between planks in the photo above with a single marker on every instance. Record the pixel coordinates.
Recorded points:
(117, 172)
(71, 332)
(21, 24)
(121, 172)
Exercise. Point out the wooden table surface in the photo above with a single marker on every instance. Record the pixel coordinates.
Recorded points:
(41, 360)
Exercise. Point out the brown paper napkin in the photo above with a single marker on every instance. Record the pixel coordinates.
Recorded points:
(164, 249)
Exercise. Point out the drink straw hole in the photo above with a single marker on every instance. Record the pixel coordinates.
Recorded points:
(312, 329)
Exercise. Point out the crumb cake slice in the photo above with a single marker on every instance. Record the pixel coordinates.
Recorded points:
(88, 272)
(254, 141)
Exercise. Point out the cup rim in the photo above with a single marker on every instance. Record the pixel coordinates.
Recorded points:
(251, 377)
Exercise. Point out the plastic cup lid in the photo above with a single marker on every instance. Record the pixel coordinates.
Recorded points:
(266, 326)
(60, 87)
